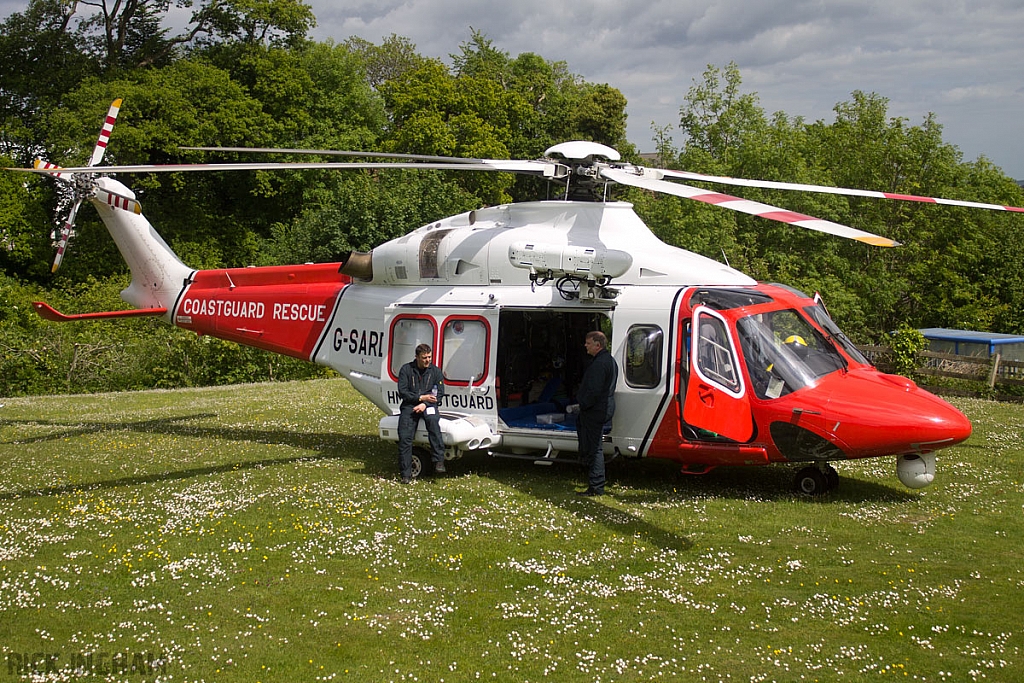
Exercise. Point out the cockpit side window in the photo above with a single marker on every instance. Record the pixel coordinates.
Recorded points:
(716, 360)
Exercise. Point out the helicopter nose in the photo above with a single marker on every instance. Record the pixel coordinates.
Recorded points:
(898, 416)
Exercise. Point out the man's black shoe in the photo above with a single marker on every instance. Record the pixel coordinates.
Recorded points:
(439, 467)
(588, 492)
(406, 480)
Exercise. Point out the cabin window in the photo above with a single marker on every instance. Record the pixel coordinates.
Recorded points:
(643, 356)
(406, 335)
(716, 360)
(465, 351)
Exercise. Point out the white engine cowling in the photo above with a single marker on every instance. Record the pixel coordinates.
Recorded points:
(916, 471)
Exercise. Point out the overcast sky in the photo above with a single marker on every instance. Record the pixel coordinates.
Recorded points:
(960, 59)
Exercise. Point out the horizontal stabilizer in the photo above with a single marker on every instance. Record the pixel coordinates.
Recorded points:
(50, 313)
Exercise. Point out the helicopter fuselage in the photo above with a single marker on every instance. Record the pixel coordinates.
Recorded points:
(506, 295)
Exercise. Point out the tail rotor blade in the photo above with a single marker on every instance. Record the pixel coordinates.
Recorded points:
(42, 165)
(108, 126)
(86, 187)
(118, 201)
(66, 233)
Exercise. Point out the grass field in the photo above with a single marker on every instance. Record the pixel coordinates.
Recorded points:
(259, 533)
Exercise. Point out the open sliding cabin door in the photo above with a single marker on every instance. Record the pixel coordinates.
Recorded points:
(716, 395)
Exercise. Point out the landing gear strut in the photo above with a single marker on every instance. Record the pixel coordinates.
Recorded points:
(816, 480)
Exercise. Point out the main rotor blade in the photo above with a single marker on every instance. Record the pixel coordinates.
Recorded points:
(745, 206)
(545, 169)
(775, 185)
(339, 153)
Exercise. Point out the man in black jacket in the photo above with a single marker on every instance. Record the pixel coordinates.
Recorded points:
(596, 398)
(420, 386)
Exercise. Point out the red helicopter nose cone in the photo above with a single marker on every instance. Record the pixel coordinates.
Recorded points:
(876, 414)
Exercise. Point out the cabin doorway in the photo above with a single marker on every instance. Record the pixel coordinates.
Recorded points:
(541, 357)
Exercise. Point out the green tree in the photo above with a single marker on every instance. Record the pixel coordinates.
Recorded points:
(490, 105)
(950, 271)
(389, 60)
(41, 59)
(255, 22)
(478, 58)
(432, 112)
(189, 103)
(24, 226)
(354, 210)
(717, 123)
(717, 118)
(314, 95)
(942, 275)
(600, 116)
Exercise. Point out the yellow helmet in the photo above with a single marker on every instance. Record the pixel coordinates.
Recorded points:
(795, 340)
(797, 345)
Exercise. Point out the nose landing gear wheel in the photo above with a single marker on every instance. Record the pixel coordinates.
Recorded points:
(816, 481)
(831, 478)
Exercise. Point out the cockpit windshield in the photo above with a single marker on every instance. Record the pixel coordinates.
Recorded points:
(820, 316)
(784, 352)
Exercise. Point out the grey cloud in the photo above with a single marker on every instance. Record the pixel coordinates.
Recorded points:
(960, 60)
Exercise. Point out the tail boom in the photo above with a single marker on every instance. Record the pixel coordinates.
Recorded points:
(157, 274)
(283, 309)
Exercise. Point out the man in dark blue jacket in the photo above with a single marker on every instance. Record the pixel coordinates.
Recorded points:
(420, 386)
(596, 398)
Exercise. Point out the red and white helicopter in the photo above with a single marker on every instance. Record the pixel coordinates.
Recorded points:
(716, 369)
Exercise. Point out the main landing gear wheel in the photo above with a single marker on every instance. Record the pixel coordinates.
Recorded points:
(816, 481)
(420, 458)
